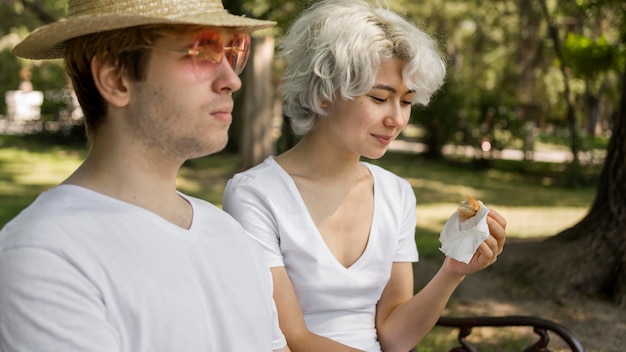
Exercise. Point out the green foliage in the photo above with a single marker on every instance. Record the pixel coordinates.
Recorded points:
(588, 57)
(562, 138)
(49, 76)
(9, 77)
(500, 59)
(491, 115)
(16, 20)
(284, 12)
(440, 118)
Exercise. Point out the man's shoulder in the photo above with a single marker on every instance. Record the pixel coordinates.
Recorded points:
(42, 216)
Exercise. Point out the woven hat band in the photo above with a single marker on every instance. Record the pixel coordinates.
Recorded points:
(156, 8)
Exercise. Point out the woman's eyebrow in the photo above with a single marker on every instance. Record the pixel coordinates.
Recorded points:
(390, 88)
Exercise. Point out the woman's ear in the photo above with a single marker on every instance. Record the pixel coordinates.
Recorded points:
(113, 86)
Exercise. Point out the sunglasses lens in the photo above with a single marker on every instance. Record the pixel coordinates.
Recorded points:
(239, 52)
(211, 49)
(239, 61)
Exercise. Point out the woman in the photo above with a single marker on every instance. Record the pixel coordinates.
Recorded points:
(338, 232)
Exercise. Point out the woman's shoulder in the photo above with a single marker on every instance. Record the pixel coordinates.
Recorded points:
(263, 172)
(266, 176)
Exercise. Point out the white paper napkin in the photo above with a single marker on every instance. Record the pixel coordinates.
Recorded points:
(461, 237)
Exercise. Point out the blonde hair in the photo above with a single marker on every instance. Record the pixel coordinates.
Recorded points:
(334, 50)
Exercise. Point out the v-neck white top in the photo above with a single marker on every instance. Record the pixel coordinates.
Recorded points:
(337, 302)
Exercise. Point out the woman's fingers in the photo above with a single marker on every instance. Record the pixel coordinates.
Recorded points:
(497, 230)
(497, 217)
(488, 250)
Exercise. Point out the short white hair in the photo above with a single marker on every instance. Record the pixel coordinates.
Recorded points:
(334, 50)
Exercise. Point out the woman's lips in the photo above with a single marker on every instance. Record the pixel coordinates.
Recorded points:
(383, 139)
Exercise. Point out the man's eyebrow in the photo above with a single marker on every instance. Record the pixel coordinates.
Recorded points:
(390, 88)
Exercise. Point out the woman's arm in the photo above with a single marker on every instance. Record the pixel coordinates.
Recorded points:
(402, 319)
(291, 319)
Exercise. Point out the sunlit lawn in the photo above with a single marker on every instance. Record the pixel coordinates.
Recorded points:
(531, 207)
(25, 173)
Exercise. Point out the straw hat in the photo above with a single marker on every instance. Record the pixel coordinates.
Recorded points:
(92, 16)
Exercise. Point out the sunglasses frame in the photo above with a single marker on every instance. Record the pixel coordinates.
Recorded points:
(209, 49)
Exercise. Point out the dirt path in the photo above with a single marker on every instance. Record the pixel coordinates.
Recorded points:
(599, 325)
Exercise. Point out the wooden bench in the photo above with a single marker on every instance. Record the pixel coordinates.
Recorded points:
(540, 326)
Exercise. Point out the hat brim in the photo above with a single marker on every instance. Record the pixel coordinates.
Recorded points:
(48, 42)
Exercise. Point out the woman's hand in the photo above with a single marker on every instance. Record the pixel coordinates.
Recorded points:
(488, 251)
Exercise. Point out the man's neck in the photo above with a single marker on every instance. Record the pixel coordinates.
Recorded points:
(137, 182)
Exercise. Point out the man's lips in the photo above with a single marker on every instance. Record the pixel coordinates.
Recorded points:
(223, 114)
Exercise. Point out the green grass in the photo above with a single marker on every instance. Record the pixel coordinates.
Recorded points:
(26, 171)
(532, 206)
(527, 195)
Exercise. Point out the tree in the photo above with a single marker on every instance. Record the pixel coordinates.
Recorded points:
(593, 60)
(252, 130)
(590, 257)
(440, 119)
(46, 75)
(255, 104)
(570, 115)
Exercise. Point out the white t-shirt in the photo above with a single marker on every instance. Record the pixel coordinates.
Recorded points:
(80, 271)
(337, 302)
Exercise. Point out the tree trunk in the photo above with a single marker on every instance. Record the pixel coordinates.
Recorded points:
(256, 102)
(570, 115)
(592, 107)
(590, 257)
(528, 55)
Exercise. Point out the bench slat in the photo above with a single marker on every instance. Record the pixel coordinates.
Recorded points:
(540, 326)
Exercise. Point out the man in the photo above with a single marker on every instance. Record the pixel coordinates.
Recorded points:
(115, 258)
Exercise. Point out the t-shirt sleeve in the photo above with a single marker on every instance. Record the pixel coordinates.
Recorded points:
(46, 304)
(246, 201)
(278, 339)
(407, 249)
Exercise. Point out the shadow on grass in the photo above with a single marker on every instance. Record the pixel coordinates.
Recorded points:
(29, 167)
(448, 182)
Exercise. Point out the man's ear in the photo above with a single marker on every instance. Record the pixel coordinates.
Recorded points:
(113, 86)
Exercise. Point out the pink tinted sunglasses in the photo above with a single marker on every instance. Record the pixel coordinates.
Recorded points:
(210, 48)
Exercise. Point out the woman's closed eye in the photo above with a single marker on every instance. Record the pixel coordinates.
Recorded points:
(382, 100)
(377, 99)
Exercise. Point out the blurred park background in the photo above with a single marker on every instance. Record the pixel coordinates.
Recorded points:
(531, 121)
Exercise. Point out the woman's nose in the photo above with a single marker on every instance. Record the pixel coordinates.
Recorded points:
(398, 115)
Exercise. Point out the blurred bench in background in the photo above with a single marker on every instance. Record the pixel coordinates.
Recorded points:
(541, 327)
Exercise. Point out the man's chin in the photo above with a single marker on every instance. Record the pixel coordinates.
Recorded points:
(214, 149)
